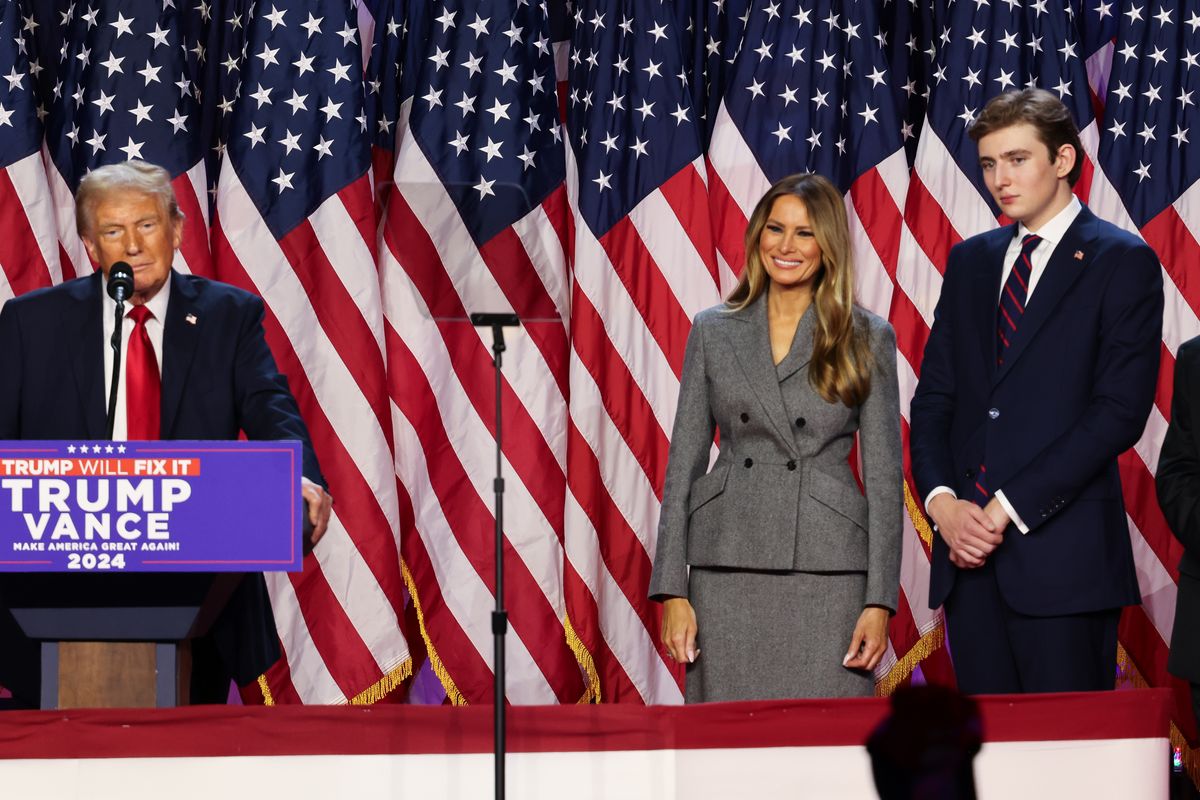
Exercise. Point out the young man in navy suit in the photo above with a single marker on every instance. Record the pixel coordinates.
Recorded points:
(1039, 371)
(204, 351)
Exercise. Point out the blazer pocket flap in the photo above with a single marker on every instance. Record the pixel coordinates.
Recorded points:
(707, 486)
(843, 498)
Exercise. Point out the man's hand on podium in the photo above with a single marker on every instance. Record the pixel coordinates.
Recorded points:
(320, 504)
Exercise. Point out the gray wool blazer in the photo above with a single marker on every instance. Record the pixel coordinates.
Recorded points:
(780, 495)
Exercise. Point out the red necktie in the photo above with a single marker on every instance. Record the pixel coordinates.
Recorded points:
(1013, 296)
(143, 388)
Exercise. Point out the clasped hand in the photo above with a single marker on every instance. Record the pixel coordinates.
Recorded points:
(972, 533)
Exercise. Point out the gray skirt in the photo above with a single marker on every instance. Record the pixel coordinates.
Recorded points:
(774, 635)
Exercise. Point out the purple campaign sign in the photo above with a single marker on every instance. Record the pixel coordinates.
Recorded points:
(170, 506)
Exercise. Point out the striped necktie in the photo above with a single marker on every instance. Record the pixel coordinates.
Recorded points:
(1013, 296)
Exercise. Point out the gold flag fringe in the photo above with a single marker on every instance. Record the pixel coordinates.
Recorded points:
(918, 519)
(439, 668)
(385, 685)
(915, 655)
(586, 662)
(268, 698)
(1189, 756)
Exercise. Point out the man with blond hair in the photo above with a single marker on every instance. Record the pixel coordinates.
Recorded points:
(200, 347)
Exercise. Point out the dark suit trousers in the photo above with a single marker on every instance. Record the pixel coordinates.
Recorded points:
(999, 651)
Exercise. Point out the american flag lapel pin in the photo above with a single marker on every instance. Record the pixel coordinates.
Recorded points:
(190, 319)
(1079, 255)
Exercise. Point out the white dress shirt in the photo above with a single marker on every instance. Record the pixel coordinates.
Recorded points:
(1052, 233)
(154, 327)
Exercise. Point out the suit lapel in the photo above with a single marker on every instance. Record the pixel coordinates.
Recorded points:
(986, 299)
(1060, 275)
(86, 343)
(181, 333)
(751, 341)
(802, 346)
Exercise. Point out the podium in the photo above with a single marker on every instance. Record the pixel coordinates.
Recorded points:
(116, 556)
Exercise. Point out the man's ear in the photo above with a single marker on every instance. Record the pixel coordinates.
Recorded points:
(1066, 160)
(176, 233)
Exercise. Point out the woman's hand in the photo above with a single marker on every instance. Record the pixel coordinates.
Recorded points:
(869, 641)
(679, 629)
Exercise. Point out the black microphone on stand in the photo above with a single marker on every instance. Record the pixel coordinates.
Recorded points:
(120, 289)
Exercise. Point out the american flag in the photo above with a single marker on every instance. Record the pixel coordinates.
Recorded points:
(441, 182)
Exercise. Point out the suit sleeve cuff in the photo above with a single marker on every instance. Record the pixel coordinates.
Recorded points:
(1012, 512)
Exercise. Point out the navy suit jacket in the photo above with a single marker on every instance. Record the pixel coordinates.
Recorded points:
(218, 378)
(1074, 392)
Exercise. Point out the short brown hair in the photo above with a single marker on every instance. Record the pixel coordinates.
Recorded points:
(1037, 107)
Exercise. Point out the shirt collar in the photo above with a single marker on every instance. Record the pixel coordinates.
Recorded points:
(156, 304)
(1054, 230)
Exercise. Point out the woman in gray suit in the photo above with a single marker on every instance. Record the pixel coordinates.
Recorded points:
(793, 572)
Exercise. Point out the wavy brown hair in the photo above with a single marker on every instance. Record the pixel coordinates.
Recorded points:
(840, 369)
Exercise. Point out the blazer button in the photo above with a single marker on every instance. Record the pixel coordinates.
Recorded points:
(791, 465)
(749, 463)
(800, 422)
(993, 413)
(745, 417)
(970, 473)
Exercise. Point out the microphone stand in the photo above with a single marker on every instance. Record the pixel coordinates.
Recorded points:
(498, 322)
(115, 344)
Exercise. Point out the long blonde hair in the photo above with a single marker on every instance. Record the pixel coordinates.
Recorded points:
(840, 369)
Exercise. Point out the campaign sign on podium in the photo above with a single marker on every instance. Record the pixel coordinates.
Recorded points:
(165, 506)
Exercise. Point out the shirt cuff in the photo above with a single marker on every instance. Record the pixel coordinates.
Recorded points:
(939, 490)
(1012, 512)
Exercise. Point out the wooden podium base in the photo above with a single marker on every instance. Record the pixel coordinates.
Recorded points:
(114, 674)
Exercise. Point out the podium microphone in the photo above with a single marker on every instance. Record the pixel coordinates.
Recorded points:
(120, 289)
(120, 281)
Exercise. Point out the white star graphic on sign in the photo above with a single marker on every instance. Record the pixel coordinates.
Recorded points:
(339, 71)
(297, 102)
(479, 25)
(108, 448)
(268, 56)
(255, 135)
(603, 181)
(459, 143)
(121, 25)
(97, 140)
(283, 180)
(141, 113)
(304, 64)
(313, 25)
(492, 149)
(484, 187)
(275, 17)
(499, 110)
(132, 149)
(782, 133)
(263, 96)
(120, 448)
(507, 73)
(291, 141)
(323, 147)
